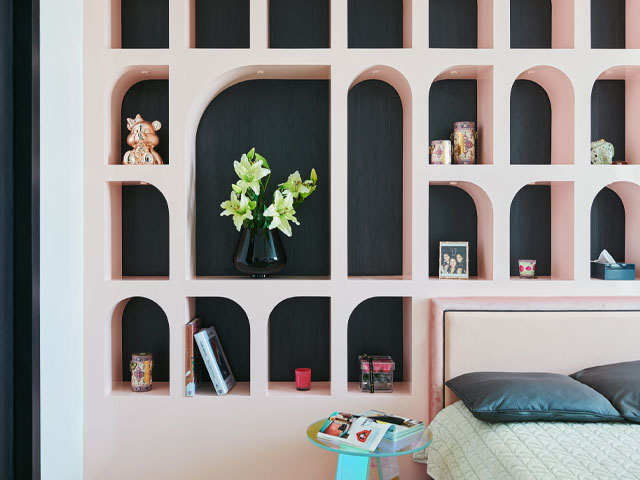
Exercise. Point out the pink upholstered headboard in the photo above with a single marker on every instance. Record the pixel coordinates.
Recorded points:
(559, 335)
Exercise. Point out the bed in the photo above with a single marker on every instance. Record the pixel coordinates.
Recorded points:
(550, 341)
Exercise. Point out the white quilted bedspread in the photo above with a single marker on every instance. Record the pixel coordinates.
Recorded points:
(466, 448)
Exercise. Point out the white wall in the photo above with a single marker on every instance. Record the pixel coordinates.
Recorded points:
(61, 238)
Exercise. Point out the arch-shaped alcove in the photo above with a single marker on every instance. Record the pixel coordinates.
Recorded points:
(234, 332)
(617, 208)
(124, 18)
(296, 24)
(287, 121)
(542, 117)
(138, 245)
(140, 89)
(219, 23)
(463, 93)
(381, 326)
(379, 23)
(137, 324)
(615, 115)
(542, 23)
(608, 225)
(541, 229)
(472, 213)
(300, 337)
(460, 23)
(379, 161)
(461, 211)
(614, 24)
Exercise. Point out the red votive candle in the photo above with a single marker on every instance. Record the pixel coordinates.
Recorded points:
(303, 378)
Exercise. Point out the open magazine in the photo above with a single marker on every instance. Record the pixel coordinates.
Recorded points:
(399, 427)
(353, 430)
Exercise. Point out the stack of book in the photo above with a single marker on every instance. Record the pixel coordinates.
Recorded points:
(368, 429)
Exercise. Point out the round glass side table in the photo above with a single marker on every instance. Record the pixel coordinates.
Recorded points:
(354, 463)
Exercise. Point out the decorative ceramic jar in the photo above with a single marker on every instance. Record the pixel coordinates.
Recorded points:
(440, 152)
(376, 373)
(141, 366)
(259, 252)
(464, 143)
(601, 152)
(527, 268)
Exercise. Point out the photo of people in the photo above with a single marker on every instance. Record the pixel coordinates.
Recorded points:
(454, 260)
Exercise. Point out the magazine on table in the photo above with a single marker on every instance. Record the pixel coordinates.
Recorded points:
(355, 431)
(399, 427)
(215, 360)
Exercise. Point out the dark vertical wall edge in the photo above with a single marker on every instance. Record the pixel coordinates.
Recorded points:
(6, 238)
(26, 197)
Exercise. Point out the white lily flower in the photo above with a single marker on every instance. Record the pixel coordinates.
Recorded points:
(250, 174)
(281, 212)
(240, 208)
(295, 185)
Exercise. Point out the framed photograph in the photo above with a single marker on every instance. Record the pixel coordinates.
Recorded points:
(454, 260)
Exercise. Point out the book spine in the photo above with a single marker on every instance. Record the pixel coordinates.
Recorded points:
(211, 364)
(189, 366)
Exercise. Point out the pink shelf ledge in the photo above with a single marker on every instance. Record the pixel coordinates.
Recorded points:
(288, 389)
(240, 389)
(123, 389)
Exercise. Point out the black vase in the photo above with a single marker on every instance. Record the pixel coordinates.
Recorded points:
(259, 252)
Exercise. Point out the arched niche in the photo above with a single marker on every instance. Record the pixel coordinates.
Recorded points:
(614, 24)
(126, 16)
(608, 225)
(530, 124)
(541, 229)
(463, 93)
(138, 245)
(542, 23)
(138, 324)
(234, 331)
(542, 117)
(461, 211)
(379, 23)
(219, 23)
(287, 121)
(300, 336)
(615, 115)
(379, 160)
(628, 194)
(460, 23)
(296, 24)
(381, 326)
(138, 89)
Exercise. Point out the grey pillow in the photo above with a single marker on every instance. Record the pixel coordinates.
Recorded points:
(531, 397)
(619, 383)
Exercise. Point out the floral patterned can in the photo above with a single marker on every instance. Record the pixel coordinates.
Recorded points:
(140, 367)
(464, 143)
(527, 268)
(441, 152)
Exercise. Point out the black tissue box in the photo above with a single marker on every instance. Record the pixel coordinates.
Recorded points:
(613, 271)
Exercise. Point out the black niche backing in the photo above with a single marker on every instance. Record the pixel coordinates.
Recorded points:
(375, 179)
